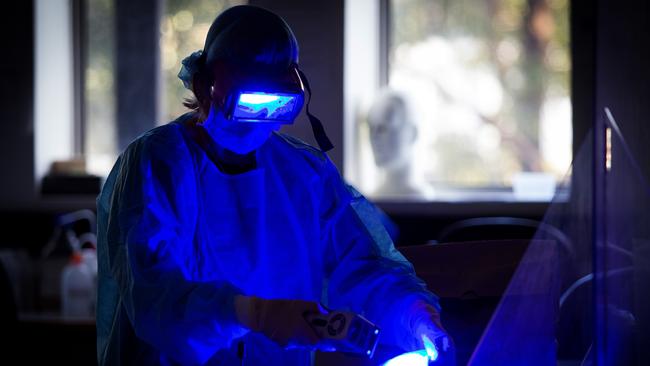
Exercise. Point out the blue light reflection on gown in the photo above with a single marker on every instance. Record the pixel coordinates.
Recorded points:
(178, 239)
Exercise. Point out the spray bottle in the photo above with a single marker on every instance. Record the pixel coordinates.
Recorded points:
(77, 287)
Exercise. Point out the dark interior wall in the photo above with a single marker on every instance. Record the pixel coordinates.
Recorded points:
(623, 85)
(623, 71)
(318, 25)
(611, 58)
(583, 75)
(16, 104)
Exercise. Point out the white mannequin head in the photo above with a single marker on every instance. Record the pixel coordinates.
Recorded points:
(392, 137)
(392, 131)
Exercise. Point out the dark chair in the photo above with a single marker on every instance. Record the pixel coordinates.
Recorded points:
(575, 323)
(503, 228)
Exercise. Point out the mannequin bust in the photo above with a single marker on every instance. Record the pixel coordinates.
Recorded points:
(392, 137)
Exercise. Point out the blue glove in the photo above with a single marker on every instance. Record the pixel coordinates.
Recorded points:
(425, 322)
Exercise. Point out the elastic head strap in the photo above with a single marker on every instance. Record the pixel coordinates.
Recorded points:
(316, 125)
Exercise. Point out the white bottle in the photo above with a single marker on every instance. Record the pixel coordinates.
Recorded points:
(77, 289)
(89, 256)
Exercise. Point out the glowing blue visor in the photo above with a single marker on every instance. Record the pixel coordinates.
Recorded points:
(270, 107)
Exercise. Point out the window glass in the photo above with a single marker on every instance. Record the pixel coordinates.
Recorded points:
(477, 99)
(100, 139)
(182, 31)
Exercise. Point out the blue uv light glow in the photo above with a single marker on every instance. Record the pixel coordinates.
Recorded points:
(421, 357)
(257, 99)
(261, 107)
(417, 358)
(430, 348)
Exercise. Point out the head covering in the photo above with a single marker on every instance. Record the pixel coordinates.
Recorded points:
(252, 38)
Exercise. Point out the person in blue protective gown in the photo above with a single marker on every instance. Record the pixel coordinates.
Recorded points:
(216, 237)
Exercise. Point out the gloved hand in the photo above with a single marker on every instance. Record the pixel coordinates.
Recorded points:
(425, 320)
(282, 321)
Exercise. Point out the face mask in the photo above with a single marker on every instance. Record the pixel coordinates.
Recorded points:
(240, 138)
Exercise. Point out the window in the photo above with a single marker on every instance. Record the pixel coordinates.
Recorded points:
(472, 103)
(183, 27)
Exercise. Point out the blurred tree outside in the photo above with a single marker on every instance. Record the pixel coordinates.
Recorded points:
(488, 81)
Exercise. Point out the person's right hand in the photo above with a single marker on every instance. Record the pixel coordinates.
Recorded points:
(282, 321)
(424, 320)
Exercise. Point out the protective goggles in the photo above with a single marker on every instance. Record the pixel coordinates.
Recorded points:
(268, 101)
(262, 107)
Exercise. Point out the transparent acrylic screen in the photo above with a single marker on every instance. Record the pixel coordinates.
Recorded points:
(580, 293)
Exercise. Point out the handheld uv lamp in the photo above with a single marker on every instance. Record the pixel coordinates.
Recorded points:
(346, 332)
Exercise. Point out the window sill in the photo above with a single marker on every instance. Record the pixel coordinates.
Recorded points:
(459, 202)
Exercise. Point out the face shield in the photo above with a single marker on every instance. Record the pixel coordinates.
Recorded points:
(263, 100)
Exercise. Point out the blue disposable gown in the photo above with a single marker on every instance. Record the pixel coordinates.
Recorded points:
(178, 239)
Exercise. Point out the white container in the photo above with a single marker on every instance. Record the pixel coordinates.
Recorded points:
(90, 260)
(77, 289)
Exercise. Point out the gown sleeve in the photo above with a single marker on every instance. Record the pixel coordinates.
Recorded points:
(366, 273)
(155, 260)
